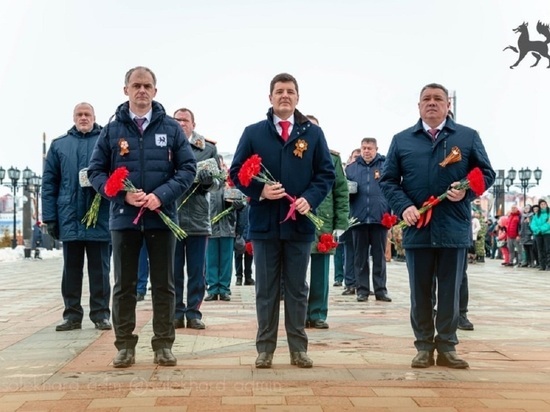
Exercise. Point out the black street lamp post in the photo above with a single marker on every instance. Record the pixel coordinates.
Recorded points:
(14, 174)
(498, 193)
(36, 182)
(525, 182)
(29, 182)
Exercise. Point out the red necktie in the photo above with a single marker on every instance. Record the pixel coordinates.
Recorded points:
(433, 133)
(285, 124)
(139, 123)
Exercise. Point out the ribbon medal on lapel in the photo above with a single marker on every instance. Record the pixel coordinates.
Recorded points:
(124, 146)
(377, 174)
(199, 143)
(300, 148)
(453, 157)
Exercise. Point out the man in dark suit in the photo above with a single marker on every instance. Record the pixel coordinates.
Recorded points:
(296, 154)
(418, 166)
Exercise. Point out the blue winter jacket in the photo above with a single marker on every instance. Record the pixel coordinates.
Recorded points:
(310, 175)
(368, 205)
(64, 201)
(160, 161)
(412, 173)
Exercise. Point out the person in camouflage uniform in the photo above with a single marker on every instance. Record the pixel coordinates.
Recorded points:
(479, 243)
(397, 240)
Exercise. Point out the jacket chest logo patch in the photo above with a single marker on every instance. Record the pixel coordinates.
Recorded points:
(161, 140)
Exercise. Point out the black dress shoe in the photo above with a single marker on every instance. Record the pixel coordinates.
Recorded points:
(164, 357)
(348, 291)
(179, 323)
(124, 358)
(140, 297)
(337, 283)
(225, 297)
(423, 359)
(103, 324)
(362, 298)
(300, 359)
(383, 298)
(264, 360)
(249, 282)
(211, 297)
(68, 324)
(195, 324)
(239, 282)
(451, 360)
(464, 323)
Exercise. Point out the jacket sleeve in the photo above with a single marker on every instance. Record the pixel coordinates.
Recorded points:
(50, 185)
(242, 153)
(341, 196)
(390, 182)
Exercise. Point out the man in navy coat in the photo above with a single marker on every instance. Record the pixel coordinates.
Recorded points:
(296, 154)
(419, 165)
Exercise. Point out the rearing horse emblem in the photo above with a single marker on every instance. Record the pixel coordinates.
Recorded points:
(537, 48)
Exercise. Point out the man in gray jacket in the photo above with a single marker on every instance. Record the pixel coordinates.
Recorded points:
(194, 218)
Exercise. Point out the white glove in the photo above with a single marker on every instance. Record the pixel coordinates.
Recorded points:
(337, 233)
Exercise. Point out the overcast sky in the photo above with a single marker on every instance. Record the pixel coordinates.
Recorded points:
(360, 65)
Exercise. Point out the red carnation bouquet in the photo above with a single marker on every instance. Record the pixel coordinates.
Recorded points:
(326, 243)
(388, 220)
(474, 180)
(116, 182)
(119, 181)
(253, 168)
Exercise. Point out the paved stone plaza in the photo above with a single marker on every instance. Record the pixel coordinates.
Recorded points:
(361, 363)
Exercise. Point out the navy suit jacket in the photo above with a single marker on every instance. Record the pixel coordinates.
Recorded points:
(310, 175)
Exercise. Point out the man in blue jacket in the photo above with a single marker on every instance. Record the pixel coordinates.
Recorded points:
(296, 154)
(161, 165)
(66, 197)
(368, 206)
(415, 170)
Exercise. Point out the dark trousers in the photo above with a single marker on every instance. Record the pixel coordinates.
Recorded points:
(243, 265)
(349, 259)
(370, 238)
(160, 249)
(190, 252)
(99, 258)
(143, 271)
(463, 295)
(543, 250)
(275, 260)
(447, 266)
(317, 305)
(339, 262)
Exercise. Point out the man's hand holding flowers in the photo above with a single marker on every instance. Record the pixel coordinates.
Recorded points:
(455, 193)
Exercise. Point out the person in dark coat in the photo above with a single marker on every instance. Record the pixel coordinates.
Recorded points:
(368, 206)
(414, 171)
(296, 154)
(66, 197)
(154, 150)
(36, 242)
(243, 258)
